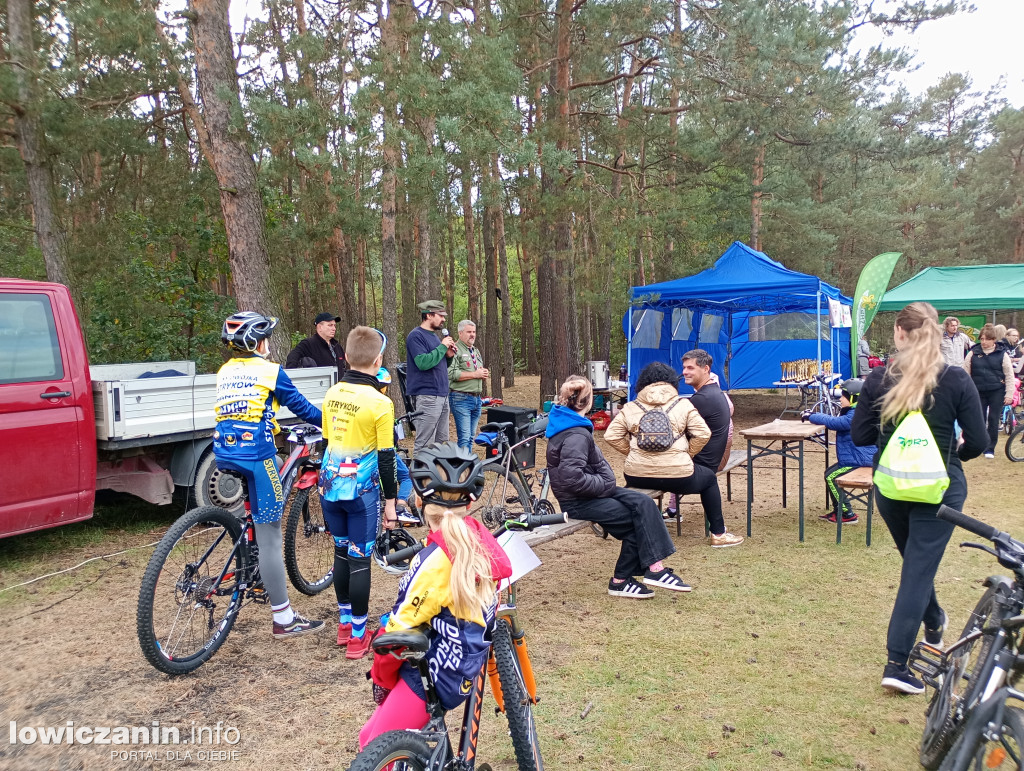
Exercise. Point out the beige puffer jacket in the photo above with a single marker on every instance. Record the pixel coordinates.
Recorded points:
(676, 461)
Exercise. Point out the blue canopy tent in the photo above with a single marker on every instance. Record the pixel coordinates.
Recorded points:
(748, 311)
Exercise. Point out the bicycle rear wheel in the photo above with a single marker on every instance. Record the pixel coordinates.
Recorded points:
(943, 717)
(1005, 752)
(185, 609)
(518, 707)
(308, 546)
(1014, 446)
(393, 751)
(501, 498)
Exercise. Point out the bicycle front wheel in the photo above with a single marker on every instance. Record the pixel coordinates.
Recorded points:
(502, 497)
(518, 707)
(1002, 752)
(189, 597)
(393, 751)
(308, 546)
(944, 717)
(1014, 446)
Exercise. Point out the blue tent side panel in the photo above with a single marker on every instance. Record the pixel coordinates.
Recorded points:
(718, 303)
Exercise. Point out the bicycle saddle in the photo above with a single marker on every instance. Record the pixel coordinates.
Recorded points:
(396, 642)
(496, 426)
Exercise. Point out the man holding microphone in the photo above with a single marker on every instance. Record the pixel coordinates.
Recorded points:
(466, 376)
(427, 374)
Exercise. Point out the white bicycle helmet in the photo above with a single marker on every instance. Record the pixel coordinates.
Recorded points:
(388, 542)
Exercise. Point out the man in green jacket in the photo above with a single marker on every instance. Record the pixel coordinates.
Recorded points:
(466, 376)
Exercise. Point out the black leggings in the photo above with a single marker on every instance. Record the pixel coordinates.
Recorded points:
(631, 517)
(703, 480)
(992, 404)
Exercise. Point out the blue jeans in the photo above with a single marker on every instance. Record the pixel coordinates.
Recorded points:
(466, 411)
(404, 480)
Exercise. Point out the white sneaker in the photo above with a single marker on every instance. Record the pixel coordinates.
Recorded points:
(990, 455)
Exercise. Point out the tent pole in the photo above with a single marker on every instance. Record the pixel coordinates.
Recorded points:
(819, 325)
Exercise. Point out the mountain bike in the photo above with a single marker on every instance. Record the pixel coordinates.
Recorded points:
(509, 491)
(508, 670)
(827, 401)
(1014, 447)
(308, 544)
(205, 568)
(967, 725)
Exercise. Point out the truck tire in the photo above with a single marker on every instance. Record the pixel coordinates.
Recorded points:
(212, 488)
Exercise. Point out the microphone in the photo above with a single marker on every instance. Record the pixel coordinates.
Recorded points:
(444, 332)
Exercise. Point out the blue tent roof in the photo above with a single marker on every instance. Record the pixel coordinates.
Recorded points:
(741, 279)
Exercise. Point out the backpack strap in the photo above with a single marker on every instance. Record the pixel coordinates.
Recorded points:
(673, 404)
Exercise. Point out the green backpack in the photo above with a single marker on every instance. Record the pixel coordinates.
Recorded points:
(910, 467)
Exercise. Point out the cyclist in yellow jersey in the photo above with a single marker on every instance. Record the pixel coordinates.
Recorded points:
(248, 390)
(360, 460)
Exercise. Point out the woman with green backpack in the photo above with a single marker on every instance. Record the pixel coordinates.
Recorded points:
(908, 409)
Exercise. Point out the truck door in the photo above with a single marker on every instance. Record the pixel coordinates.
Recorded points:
(41, 453)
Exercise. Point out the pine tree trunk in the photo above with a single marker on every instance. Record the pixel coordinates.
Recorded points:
(240, 199)
(472, 272)
(49, 232)
(528, 336)
(391, 153)
(492, 326)
(507, 352)
(757, 179)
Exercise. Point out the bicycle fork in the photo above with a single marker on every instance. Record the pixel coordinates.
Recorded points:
(522, 653)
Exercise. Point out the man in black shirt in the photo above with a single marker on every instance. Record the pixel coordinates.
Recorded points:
(320, 349)
(710, 403)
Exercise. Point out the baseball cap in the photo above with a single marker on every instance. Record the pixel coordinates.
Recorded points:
(326, 317)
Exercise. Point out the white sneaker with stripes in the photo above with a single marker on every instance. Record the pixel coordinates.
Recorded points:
(629, 588)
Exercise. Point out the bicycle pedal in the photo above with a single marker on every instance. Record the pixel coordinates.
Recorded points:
(929, 662)
(259, 594)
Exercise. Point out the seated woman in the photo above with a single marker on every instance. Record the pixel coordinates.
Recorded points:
(672, 469)
(584, 485)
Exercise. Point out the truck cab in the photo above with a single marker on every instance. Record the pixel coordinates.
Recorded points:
(47, 435)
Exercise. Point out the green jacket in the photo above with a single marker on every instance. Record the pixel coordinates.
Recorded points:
(465, 360)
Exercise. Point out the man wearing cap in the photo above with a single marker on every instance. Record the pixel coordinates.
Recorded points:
(426, 363)
(321, 349)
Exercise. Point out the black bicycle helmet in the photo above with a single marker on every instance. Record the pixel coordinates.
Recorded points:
(244, 331)
(447, 474)
(388, 542)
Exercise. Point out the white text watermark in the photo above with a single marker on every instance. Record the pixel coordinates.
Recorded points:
(153, 734)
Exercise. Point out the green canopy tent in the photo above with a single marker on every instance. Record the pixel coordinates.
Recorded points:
(967, 287)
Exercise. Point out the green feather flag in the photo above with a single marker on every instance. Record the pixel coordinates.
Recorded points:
(871, 285)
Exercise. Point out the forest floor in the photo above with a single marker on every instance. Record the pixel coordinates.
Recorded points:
(772, 662)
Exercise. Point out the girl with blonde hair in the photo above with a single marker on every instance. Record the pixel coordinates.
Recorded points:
(451, 586)
(917, 378)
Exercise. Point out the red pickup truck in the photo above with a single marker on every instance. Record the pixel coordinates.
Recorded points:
(66, 431)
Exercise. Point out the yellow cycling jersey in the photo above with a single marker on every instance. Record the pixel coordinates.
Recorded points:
(358, 420)
(245, 391)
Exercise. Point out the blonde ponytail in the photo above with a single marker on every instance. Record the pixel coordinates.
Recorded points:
(913, 372)
(471, 585)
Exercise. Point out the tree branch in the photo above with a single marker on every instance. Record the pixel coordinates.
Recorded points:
(640, 68)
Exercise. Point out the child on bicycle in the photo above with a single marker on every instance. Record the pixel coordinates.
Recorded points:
(359, 424)
(848, 455)
(249, 391)
(450, 586)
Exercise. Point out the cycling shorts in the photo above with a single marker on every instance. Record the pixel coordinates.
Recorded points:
(266, 496)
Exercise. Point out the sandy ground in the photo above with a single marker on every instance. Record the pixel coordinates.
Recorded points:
(69, 651)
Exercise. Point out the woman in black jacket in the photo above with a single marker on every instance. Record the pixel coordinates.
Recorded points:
(917, 378)
(989, 366)
(584, 485)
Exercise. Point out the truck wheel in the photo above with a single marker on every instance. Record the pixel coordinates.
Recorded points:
(213, 488)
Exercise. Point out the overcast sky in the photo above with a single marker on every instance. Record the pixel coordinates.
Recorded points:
(984, 44)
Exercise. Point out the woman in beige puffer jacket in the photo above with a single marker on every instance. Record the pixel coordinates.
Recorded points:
(673, 469)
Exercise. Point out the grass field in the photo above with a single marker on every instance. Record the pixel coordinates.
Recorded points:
(772, 662)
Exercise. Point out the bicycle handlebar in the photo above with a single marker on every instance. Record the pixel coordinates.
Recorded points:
(528, 521)
(970, 524)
